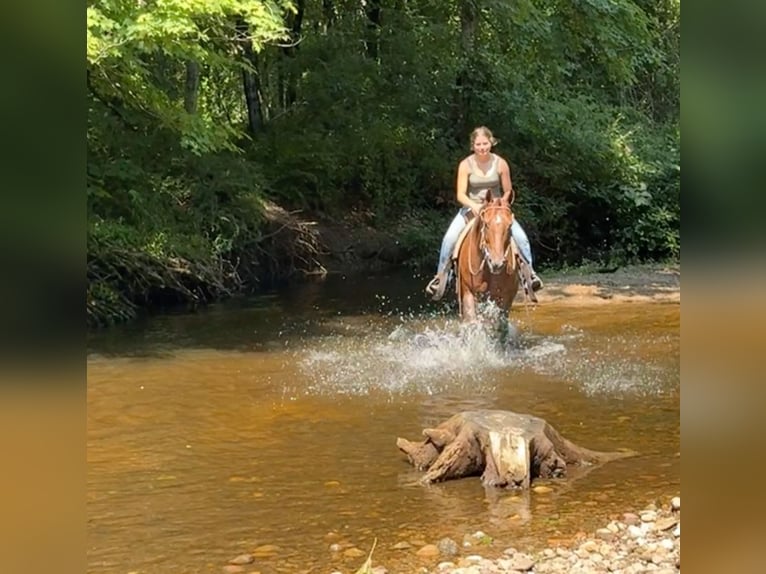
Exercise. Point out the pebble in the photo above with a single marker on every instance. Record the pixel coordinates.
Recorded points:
(354, 552)
(447, 547)
(242, 559)
(428, 550)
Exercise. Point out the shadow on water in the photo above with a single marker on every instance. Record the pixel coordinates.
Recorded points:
(309, 309)
(268, 425)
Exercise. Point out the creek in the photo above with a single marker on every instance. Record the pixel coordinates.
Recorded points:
(267, 425)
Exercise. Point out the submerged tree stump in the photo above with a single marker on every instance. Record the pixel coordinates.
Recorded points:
(506, 448)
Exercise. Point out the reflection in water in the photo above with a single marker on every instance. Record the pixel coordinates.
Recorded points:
(268, 426)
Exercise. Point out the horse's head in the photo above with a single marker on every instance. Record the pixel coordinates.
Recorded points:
(495, 228)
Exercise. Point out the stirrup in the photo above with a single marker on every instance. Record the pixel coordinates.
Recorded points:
(537, 283)
(437, 286)
(433, 284)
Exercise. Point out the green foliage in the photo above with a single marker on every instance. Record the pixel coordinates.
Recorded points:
(420, 237)
(165, 228)
(135, 56)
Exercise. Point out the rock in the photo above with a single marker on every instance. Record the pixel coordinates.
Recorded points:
(667, 544)
(675, 503)
(666, 523)
(630, 518)
(428, 551)
(521, 562)
(401, 546)
(605, 534)
(354, 552)
(242, 559)
(589, 546)
(233, 569)
(265, 551)
(447, 547)
(648, 516)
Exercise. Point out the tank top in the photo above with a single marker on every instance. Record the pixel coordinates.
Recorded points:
(478, 181)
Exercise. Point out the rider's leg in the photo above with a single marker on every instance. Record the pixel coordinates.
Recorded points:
(439, 283)
(521, 239)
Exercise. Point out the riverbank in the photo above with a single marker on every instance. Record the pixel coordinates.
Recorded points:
(638, 542)
(648, 540)
(645, 541)
(651, 282)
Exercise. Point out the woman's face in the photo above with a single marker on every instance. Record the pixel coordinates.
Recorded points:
(481, 145)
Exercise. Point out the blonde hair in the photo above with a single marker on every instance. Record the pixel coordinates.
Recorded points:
(483, 131)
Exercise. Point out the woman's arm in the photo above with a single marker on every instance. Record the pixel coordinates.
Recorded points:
(505, 181)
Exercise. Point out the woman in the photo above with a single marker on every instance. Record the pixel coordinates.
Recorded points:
(480, 173)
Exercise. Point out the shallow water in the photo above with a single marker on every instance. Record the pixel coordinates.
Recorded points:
(268, 426)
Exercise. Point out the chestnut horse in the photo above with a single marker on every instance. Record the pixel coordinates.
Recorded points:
(487, 261)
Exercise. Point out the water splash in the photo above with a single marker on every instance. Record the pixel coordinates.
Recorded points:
(422, 355)
(599, 365)
(437, 353)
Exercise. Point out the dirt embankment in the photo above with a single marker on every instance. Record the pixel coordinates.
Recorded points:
(637, 283)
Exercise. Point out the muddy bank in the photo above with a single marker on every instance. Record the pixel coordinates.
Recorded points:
(636, 283)
(352, 245)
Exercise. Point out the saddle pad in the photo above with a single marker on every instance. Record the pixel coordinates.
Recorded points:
(461, 237)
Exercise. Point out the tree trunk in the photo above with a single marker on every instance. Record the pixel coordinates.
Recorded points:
(250, 79)
(373, 11)
(507, 449)
(287, 78)
(191, 91)
(329, 14)
(469, 21)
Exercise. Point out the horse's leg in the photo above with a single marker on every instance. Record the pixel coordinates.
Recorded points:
(510, 289)
(469, 305)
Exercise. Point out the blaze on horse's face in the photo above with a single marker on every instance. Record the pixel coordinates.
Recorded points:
(496, 222)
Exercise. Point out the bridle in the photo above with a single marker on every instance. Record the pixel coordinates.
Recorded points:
(483, 245)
